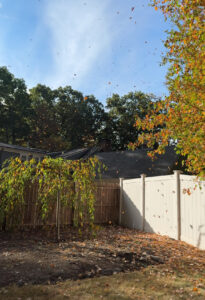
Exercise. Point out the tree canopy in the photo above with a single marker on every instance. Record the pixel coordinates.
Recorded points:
(45, 131)
(122, 113)
(63, 118)
(53, 120)
(80, 118)
(184, 120)
(15, 108)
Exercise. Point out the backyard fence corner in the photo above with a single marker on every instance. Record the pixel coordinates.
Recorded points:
(172, 205)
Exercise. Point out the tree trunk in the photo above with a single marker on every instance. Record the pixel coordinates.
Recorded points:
(58, 215)
(59, 208)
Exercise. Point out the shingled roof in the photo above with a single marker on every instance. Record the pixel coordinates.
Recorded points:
(127, 164)
(131, 164)
(16, 147)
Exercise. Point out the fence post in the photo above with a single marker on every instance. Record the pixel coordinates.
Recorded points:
(143, 200)
(121, 198)
(178, 198)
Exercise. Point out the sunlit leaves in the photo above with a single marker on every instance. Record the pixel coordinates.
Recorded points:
(13, 180)
(72, 180)
(184, 120)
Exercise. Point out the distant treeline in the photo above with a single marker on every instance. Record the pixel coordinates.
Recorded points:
(63, 118)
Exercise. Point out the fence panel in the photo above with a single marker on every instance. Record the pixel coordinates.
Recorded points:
(106, 206)
(170, 206)
(107, 202)
(192, 211)
(32, 214)
(132, 204)
(161, 205)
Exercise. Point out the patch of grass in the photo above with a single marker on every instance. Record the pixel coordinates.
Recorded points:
(153, 282)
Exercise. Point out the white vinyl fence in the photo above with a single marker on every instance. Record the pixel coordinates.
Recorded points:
(172, 205)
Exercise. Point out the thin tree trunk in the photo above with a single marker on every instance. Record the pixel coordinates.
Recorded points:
(73, 208)
(57, 211)
(59, 207)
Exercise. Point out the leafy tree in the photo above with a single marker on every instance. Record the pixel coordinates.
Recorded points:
(55, 179)
(49, 119)
(63, 119)
(14, 178)
(15, 108)
(122, 116)
(184, 122)
(45, 128)
(80, 117)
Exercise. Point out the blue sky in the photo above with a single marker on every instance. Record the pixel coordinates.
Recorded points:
(97, 47)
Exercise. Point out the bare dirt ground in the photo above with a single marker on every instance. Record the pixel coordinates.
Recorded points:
(36, 258)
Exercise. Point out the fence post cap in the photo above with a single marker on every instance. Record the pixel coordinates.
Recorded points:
(121, 181)
(177, 171)
(143, 175)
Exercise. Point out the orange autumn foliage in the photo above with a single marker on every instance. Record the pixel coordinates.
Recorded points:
(182, 113)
